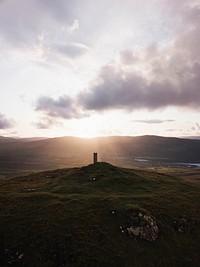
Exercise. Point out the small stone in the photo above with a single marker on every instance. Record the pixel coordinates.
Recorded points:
(21, 256)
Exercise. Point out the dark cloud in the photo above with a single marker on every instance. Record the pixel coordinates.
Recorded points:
(116, 89)
(112, 90)
(153, 121)
(5, 123)
(64, 107)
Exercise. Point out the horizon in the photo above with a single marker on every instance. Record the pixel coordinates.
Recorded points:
(96, 137)
(94, 68)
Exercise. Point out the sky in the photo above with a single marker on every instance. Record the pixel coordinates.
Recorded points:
(98, 68)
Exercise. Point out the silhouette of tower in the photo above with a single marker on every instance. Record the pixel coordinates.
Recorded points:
(94, 158)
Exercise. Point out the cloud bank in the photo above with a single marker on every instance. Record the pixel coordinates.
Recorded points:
(117, 89)
(149, 77)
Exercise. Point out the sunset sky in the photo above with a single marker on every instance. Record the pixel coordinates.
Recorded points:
(95, 68)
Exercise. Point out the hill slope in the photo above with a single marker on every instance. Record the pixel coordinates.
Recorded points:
(99, 215)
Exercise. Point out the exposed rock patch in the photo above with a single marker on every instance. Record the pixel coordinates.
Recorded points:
(12, 257)
(141, 226)
(184, 225)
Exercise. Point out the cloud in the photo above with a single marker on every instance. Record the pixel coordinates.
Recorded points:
(5, 123)
(149, 77)
(198, 126)
(171, 130)
(46, 123)
(72, 28)
(111, 90)
(62, 108)
(159, 77)
(40, 50)
(72, 50)
(153, 121)
(115, 88)
(41, 30)
(127, 57)
(20, 26)
(43, 125)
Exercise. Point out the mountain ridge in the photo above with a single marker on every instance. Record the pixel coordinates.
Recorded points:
(56, 152)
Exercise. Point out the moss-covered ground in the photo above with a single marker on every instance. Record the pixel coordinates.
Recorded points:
(73, 217)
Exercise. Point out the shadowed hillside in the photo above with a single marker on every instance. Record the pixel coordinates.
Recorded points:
(99, 215)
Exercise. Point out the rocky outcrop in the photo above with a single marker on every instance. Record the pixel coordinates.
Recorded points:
(141, 225)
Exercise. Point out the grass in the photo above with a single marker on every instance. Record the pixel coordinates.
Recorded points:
(72, 217)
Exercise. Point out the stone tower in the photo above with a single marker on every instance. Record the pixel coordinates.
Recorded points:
(94, 158)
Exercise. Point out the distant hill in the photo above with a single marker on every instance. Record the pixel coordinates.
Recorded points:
(6, 139)
(192, 137)
(11, 139)
(71, 151)
(99, 215)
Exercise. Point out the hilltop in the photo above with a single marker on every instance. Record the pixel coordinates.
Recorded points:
(18, 155)
(99, 215)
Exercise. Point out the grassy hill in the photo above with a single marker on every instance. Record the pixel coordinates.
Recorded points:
(99, 215)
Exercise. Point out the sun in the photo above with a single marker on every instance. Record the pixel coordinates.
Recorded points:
(88, 129)
(87, 135)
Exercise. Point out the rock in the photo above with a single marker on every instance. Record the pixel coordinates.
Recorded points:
(183, 225)
(113, 212)
(13, 257)
(30, 190)
(141, 226)
(92, 179)
(21, 256)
